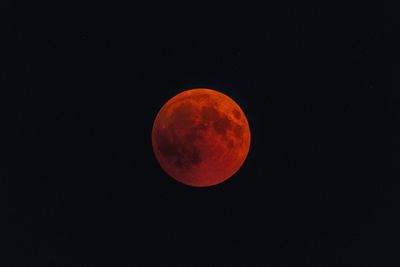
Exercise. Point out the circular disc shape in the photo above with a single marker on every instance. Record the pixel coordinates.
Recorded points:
(201, 137)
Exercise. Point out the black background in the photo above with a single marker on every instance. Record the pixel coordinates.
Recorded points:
(319, 85)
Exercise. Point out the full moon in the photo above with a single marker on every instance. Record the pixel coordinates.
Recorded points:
(201, 137)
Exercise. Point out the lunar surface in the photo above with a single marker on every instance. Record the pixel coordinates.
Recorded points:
(201, 137)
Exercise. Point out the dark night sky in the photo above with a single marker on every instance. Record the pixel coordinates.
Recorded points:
(320, 87)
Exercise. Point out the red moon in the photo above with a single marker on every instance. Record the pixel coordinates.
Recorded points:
(201, 137)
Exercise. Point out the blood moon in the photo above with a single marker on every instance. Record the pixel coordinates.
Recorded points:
(201, 137)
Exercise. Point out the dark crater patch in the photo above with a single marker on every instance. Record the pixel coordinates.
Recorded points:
(209, 113)
(181, 151)
(236, 114)
(177, 142)
(230, 143)
(238, 131)
(182, 116)
(222, 125)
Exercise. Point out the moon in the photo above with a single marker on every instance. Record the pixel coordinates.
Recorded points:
(201, 137)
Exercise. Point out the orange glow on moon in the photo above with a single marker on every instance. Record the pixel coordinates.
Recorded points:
(201, 137)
